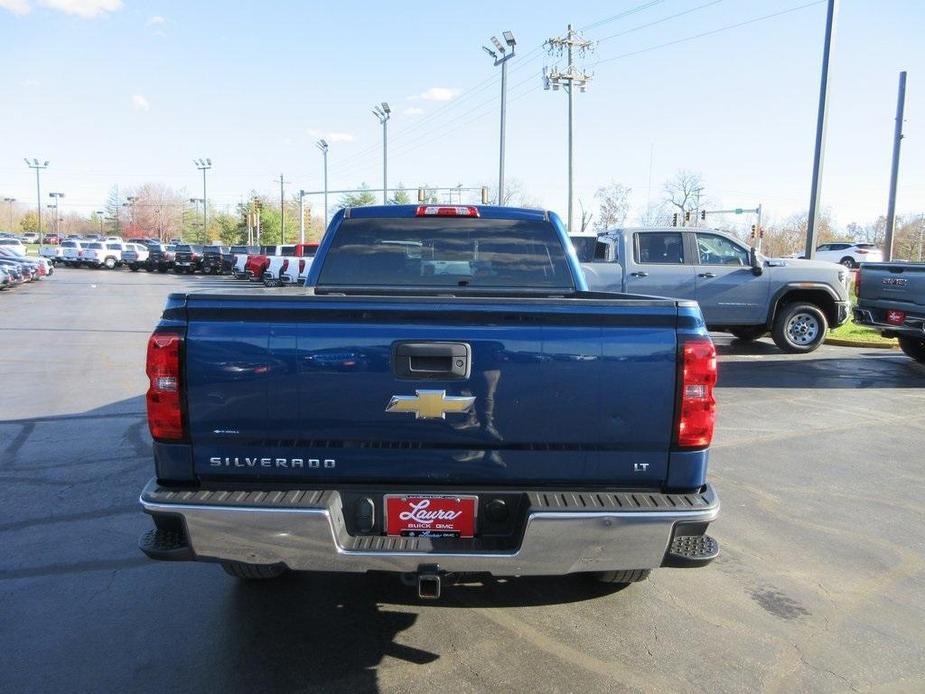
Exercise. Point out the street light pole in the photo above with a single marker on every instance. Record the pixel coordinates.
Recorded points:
(204, 165)
(10, 201)
(34, 164)
(819, 152)
(196, 201)
(894, 169)
(569, 79)
(383, 113)
(131, 207)
(322, 145)
(301, 216)
(501, 56)
(56, 197)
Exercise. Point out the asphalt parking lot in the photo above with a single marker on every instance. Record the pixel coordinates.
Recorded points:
(820, 587)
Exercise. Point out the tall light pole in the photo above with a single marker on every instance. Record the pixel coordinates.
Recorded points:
(57, 197)
(204, 165)
(282, 210)
(99, 218)
(10, 201)
(570, 78)
(501, 56)
(34, 164)
(323, 147)
(383, 113)
(821, 117)
(894, 169)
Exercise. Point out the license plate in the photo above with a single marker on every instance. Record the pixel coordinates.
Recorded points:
(895, 317)
(430, 515)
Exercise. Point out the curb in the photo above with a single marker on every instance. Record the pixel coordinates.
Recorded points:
(838, 342)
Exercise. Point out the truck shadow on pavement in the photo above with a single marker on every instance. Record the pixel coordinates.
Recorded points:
(331, 631)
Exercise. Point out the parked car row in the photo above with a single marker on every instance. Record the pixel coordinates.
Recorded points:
(16, 269)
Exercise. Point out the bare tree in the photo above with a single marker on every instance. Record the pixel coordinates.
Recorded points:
(614, 201)
(585, 216)
(515, 195)
(684, 192)
(655, 214)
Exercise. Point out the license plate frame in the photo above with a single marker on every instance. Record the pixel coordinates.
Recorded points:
(406, 515)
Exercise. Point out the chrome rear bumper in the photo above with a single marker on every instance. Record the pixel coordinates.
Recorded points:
(563, 532)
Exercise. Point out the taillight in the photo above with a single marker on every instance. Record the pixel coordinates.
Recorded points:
(301, 265)
(285, 266)
(447, 211)
(697, 409)
(861, 251)
(165, 416)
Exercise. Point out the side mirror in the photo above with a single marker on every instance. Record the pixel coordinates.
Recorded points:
(755, 262)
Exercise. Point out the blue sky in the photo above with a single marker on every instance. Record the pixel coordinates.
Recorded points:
(122, 92)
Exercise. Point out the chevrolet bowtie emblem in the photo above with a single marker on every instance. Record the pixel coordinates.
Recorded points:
(429, 404)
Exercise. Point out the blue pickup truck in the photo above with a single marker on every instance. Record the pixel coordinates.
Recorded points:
(444, 396)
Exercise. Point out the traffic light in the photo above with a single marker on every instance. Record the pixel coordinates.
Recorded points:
(703, 215)
(420, 195)
(674, 219)
(687, 216)
(753, 231)
(484, 195)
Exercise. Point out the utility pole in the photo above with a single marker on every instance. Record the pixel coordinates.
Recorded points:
(10, 201)
(501, 56)
(38, 193)
(323, 147)
(99, 218)
(383, 113)
(204, 165)
(894, 169)
(819, 152)
(572, 77)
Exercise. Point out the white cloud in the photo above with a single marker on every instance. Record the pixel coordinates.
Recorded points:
(19, 7)
(156, 19)
(83, 8)
(438, 94)
(330, 137)
(413, 111)
(339, 137)
(140, 103)
(30, 83)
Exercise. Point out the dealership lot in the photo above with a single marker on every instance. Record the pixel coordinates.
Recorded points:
(821, 584)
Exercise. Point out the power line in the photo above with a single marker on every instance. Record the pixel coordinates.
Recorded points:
(709, 33)
(621, 15)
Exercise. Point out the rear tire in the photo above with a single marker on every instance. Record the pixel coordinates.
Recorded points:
(914, 347)
(799, 328)
(749, 333)
(110, 263)
(253, 572)
(848, 262)
(622, 577)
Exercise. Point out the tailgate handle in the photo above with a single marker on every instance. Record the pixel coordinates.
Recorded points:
(431, 360)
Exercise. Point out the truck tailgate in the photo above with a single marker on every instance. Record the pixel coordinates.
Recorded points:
(899, 282)
(297, 388)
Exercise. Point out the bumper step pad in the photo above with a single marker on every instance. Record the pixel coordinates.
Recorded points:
(165, 545)
(688, 551)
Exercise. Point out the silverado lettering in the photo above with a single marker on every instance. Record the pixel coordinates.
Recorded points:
(310, 463)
